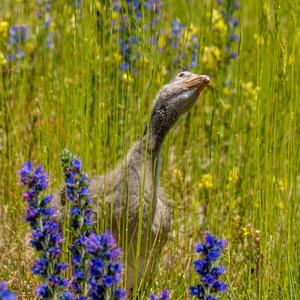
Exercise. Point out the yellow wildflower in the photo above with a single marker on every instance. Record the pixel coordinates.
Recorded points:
(206, 182)
(98, 5)
(234, 176)
(226, 106)
(29, 47)
(283, 184)
(117, 57)
(191, 31)
(226, 91)
(4, 28)
(273, 179)
(115, 16)
(3, 61)
(177, 172)
(248, 87)
(127, 78)
(291, 59)
(211, 56)
(246, 230)
(280, 205)
(256, 205)
(218, 22)
(145, 60)
(162, 41)
(259, 40)
(52, 26)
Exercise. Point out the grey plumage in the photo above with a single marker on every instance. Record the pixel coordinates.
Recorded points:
(129, 197)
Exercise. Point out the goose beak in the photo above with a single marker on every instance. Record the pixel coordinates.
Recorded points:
(198, 81)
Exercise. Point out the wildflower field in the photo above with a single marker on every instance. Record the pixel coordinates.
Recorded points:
(83, 75)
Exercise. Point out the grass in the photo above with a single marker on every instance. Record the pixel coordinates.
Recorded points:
(235, 155)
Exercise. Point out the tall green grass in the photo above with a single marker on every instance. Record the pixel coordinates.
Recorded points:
(234, 156)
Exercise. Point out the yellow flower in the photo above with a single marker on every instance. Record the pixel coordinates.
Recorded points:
(248, 87)
(218, 22)
(189, 32)
(234, 176)
(226, 106)
(4, 28)
(177, 172)
(127, 78)
(161, 74)
(259, 40)
(291, 59)
(280, 205)
(226, 91)
(3, 61)
(206, 182)
(29, 47)
(211, 56)
(283, 184)
(117, 57)
(115, 16)
(98, 6)
(246, 230)
(162, 41)
(52, 26)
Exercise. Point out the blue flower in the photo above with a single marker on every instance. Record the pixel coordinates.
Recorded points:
(105, 269)
(119, 293)
(42, 291)
(5, 293)
(67, 296)
(80, 218)
(197, 291)
(220, 286)
(76, 259)
(97, 266)
(76, 164)
(46, 233)
(209, 274)
(164, 295)
(218, 271)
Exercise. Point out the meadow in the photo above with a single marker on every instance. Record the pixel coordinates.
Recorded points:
(83, 74)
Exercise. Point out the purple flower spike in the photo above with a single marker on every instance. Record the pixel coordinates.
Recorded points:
(209, 274)
(104, 268)
(18, 34)
(46, 233)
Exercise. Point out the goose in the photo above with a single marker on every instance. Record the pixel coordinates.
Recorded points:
(130, 198)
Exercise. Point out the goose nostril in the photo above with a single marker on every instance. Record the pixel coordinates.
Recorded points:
(206, 78)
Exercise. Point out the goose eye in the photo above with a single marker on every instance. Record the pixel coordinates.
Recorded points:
(181, 75)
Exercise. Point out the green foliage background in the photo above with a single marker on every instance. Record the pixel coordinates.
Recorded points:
(231, 165)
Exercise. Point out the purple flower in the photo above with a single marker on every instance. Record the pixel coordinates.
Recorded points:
(46, 233)
(76, 164)
(67, 296)
(5, 293)
(209, 274)
(218, 271)
(80, 219)
(220, 286)
(18, 34)
(119, 293)
(104, 268)
(197, 291)
(164, 295)
(235, 37)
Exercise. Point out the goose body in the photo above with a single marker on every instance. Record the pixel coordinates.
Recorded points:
(129, 197)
